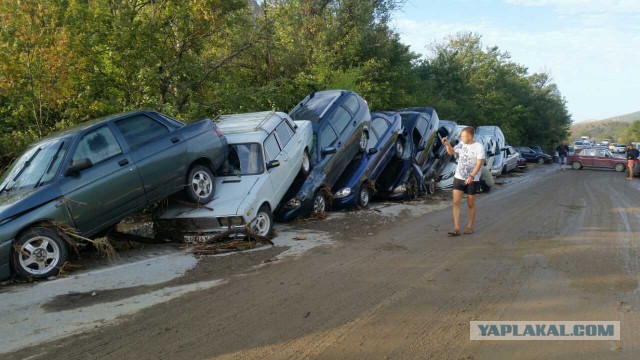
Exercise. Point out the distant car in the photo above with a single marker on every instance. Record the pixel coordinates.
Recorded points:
(341, 127)
(356, 186)
(91, 176)
(404, 178)
(619, 149)
(267, 152)
(522, 162)
(596, 158)
(533, 156)
(510, 160)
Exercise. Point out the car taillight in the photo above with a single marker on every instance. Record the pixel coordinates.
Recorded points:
(217, 130)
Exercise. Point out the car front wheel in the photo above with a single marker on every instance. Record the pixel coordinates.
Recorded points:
(263, 223)
(399, 149)
(364, 140)
(39, 253)
(319, 203)
(306, 165)
(620, 167)
(541, 161)
(364, 196)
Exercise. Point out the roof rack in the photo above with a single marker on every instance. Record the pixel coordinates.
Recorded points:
(239, 123)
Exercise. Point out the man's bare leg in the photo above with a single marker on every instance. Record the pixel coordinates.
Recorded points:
(457, 201)
(471, 202)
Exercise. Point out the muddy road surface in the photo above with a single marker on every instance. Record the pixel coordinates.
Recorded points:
(384, 283)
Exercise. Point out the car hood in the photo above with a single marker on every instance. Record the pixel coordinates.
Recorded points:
(17, 203)
(230, 193)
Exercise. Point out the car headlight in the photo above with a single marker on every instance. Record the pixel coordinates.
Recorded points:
(294, 203)
(342, 193)
(233, 220)
(400, 189)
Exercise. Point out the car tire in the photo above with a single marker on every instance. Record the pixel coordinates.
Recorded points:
(620, 167)
(541, 161)
(305, 168)
(364, 141)
(39, 253)
(319, 203)
(412, 187)
(399, 148)
(263, 223)
(504, 170)
(364, 196)
(200, 185)
(576, 165)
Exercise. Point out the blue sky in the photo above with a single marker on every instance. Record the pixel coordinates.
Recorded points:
(591, 48)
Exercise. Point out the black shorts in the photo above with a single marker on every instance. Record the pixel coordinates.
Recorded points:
(471, 189)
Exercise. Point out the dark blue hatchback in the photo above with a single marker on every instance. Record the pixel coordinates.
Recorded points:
(356, 186)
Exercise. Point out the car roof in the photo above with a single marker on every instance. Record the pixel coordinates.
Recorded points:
(88, 124)
(257, 123)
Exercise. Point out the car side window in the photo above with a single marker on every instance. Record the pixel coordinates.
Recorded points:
(271, 147)
(601, 153)
(380, 126)
(327, 137)
(284, 133)
(352, 104)
(588, 152)
(140, 129)
(97, 146)
(341, 119)
(373, 138)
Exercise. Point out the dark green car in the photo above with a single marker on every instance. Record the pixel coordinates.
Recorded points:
(91, 176)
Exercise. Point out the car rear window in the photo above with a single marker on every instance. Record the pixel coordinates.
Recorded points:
(313, 108)
(352, 104)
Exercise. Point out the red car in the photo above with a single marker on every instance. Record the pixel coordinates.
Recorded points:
(596, 158)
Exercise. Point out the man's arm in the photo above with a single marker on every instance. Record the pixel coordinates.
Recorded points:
(450, 150)
(476, 170)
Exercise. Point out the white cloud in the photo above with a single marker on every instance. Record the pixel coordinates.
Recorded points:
(584, 6)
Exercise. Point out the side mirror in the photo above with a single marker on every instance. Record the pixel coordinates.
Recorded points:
(504, 149)
(489, 153)
(273, 164)
(77, 166)
(373, 151)
(329, 150)
(420, 148)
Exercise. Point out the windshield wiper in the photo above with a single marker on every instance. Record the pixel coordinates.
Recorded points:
(53, 161)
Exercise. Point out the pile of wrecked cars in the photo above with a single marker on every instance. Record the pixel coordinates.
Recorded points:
(236, 174)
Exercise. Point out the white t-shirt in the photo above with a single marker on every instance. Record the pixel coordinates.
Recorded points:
(467, 156)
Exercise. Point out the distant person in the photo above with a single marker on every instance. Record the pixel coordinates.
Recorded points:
(467, 176)
(632, 157)
(563, 151)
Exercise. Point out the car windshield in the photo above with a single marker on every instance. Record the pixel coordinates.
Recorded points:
(313, 108)
(37, 165)
(243, 159)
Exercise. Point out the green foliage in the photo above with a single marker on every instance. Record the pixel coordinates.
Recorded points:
(66, 61)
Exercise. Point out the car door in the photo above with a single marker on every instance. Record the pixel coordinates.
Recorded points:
(328, 140)
(586, 157)
(277, 175)
(602, 159)
(291, 145)
(109, 189)
(380, 128)
(158, 152)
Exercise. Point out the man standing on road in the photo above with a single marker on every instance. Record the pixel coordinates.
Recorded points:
(632, 157)
(563, 151)
(467, 176)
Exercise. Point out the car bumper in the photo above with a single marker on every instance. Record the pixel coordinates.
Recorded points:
(348, 201)
(304, 210)
(496, 172)
(195, 229)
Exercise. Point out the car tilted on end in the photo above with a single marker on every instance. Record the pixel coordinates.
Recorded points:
(357, 183)
(341, 128)
(267, 151)
(93, 175)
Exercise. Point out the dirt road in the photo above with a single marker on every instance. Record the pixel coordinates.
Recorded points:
(549, 245)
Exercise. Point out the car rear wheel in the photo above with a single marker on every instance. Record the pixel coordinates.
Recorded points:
(263, 223)
(364, 140)
(319, 203)
(306, 165)
(200, 185)
(620, 167)
(576, 165)
(399, 148)
(541, 161)
(39, 253)
(364, 196)
(412, 187)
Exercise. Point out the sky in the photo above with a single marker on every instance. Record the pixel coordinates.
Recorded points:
(591, 48)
